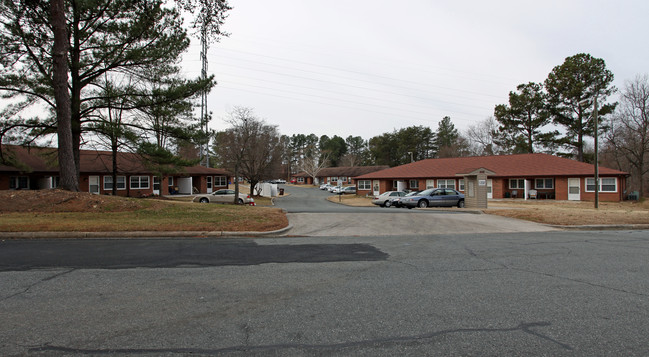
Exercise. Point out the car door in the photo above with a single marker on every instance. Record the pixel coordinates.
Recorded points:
(436, 198)
(451, 197)
(220, 196)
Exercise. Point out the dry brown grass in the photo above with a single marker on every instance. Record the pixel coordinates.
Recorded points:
(567, 213)
(564, 213)
(58, 211)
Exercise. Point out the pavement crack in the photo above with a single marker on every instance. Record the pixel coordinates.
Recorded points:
(29, 287)
(527, 328)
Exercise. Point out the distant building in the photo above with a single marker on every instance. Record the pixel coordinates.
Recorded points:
(343, 175)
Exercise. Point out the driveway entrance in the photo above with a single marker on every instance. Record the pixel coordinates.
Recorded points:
(312, 215)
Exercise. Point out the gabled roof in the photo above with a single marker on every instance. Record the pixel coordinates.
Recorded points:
(528, 165)
(45, 160)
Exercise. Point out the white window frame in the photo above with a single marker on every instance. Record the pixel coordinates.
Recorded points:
(413, 184)
(121, 183)
(518, 181)
(333, 179)
(543, 186)
(141, 180)
(300, 179)
(443, 183)
(365, 185)
(590, 181)
(220, 181)
(461, 185)
(170, 180)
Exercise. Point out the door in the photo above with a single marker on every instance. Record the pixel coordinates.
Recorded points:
(156, 185)
(93, 184)
(376, 188)
(574, 189)
(490, 189)
(209, 184)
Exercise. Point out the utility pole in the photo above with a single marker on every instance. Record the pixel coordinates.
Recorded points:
(596, 156)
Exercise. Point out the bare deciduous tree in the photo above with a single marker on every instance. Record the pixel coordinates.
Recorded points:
(250, 147)
(629, 135)
(312, 165)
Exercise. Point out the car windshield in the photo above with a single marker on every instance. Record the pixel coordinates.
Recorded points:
(427, 192)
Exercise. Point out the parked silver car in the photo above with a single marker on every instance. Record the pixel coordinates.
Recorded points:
(434, 197)
(348, 190)
(397, 201)
(224, 196)
(386, 198)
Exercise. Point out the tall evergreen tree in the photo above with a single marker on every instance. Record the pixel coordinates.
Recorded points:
(572, 88)
(105, 38)
(522, 120)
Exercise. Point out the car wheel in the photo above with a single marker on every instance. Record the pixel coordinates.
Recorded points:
(204, 200)
(388, 204)
(423, 204)
(460, 204)
(240, 201)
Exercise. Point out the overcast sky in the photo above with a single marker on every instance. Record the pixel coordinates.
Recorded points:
(366, 67)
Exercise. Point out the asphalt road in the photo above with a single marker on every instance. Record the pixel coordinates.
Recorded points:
(543, 293)
(534, 293)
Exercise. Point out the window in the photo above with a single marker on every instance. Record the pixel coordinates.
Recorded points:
(446, 184)
(343, 179)
(413, 184)
(220, 181)
(364, 185)
(108, 183)
(300, 179)
(606, 184)
(139, 182)
(333, 179)
(461, 184)
(517, 183)
(19, 183)
(170, 179)
(395, 184)
(544, 183)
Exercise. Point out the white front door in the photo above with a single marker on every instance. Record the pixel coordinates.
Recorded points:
(376, 188)
(209, 184)
(93, 184)
(574, 189)
(490, 189)
(156, 185)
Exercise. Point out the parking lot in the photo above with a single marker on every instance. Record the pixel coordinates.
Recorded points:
(311, 214)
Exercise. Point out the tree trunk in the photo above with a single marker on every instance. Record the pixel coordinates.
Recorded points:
(69, 176)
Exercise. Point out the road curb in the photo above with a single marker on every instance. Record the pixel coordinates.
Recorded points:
(141, 234)
(602, 227)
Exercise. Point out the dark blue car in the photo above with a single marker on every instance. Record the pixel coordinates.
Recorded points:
(435, 197)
